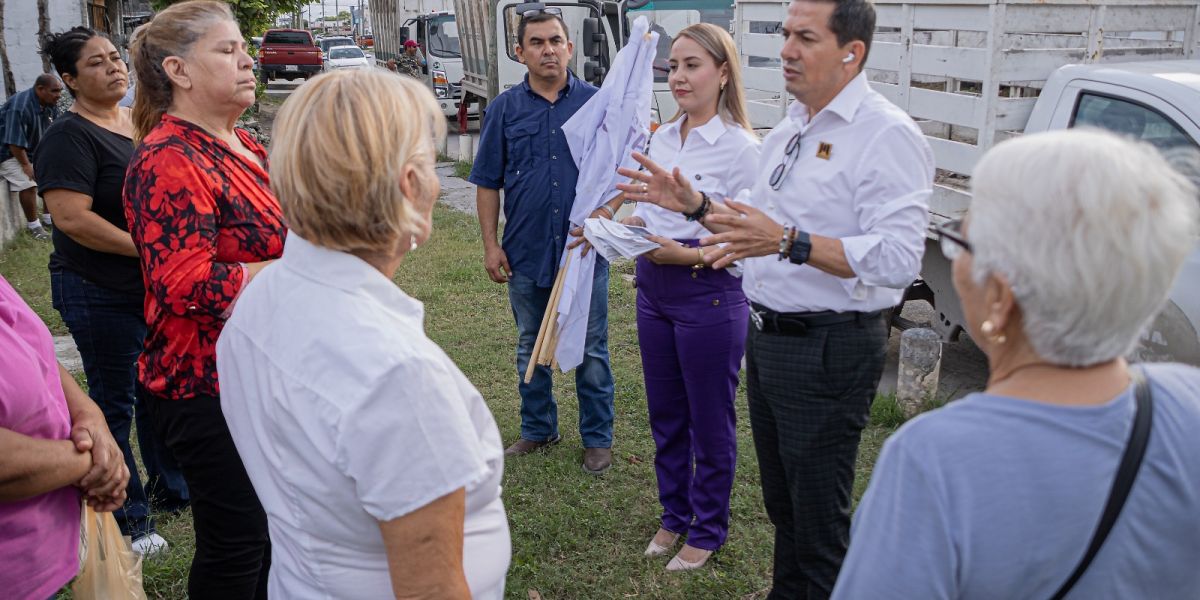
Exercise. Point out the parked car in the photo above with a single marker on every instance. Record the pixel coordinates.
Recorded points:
(366, 41)
(255, 48)
(346, 57)
(330, 42)
(289, 54)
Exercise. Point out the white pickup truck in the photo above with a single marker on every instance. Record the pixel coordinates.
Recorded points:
(972, 73)
(432, 24)
(598, 27)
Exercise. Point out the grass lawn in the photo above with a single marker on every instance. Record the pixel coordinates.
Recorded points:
(575, 536)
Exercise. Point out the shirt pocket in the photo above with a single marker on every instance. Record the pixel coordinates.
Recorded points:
(715, 187)
(519, 144)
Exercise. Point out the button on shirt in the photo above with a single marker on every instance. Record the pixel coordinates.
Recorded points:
(24, 119)
(345, 414)
(523, 151)
(870, 188)
(718, 159)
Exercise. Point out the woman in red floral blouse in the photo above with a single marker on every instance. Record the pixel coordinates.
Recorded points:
(204, 221)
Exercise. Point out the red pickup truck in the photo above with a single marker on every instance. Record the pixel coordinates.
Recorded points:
(288, 54)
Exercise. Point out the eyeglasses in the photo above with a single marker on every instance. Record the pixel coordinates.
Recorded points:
(790, 153)
(533, 11)
(951, 239)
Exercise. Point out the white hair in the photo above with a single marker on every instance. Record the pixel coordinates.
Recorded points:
(1090, 230)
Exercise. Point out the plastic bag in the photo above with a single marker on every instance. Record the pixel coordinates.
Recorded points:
(109, 568)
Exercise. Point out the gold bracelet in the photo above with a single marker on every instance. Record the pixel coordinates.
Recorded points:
(699, 265)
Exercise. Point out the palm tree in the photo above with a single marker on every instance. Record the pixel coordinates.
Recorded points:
(44, 29)
(10, 84)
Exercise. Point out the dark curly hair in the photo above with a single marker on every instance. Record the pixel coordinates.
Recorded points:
(63, 49)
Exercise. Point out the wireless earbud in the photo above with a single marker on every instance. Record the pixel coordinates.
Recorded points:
(849, 58)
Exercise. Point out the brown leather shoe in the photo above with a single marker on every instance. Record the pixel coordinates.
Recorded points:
(524, 446)
(597, 460)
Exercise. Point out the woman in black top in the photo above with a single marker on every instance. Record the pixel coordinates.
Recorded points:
(95, 277)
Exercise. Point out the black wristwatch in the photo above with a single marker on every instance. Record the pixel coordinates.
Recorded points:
(800, 248)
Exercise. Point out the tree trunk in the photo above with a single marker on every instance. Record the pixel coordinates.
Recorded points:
(10, 84)
(43, 30)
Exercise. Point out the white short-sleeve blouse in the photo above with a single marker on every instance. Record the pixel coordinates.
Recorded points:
(345, 414)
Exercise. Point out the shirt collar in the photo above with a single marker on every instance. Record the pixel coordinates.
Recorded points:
(713, 129)
(710, 132)
(572, 83)
(844, 105)
(346, 272)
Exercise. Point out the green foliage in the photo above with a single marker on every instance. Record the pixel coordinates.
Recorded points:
(462, 169)
(253, 16)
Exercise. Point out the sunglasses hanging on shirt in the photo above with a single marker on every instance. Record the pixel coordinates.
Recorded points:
(790, 153)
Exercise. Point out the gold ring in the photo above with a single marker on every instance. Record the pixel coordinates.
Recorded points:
(644, 188)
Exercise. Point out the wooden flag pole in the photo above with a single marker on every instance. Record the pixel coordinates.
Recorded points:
(549, 344)
(549, 324)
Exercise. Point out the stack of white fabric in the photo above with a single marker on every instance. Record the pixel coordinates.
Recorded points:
(602, 136)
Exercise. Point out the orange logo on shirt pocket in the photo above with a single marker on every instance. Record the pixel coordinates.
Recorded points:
(824, 150)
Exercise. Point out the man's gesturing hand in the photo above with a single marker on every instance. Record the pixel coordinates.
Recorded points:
(751, 233)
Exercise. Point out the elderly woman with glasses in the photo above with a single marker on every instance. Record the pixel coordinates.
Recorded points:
(1071, 245)
(377, 462)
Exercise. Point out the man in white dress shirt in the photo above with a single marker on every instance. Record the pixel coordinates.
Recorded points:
(831, 233)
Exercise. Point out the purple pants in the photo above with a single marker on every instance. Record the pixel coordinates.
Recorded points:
(692, 332)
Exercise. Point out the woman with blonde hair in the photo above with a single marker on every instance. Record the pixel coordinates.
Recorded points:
(1072, 474)
(691, 318)
(378, 463)
(204, 223)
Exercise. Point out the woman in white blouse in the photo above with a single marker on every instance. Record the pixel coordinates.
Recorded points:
(377, 462)
(692, 319)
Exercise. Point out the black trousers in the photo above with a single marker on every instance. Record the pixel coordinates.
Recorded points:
(233, 549)
(810, 397)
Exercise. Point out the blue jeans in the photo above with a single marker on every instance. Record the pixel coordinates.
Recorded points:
(109, 330)
(593, 378)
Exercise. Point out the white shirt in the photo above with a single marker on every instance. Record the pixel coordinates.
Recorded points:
(718, 158)
(345, 414)
(871, 192)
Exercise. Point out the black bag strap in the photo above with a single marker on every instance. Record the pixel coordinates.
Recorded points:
(1131, 461)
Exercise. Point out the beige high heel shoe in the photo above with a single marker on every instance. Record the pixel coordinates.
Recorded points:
(654, 549)
(679, 564)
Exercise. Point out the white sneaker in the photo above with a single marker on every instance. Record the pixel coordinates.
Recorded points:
(149, 545)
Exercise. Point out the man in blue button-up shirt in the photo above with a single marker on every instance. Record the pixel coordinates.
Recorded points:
(24, 117)
(523, 151)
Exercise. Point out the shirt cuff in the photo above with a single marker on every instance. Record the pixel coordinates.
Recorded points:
(856, 250)
(485, 182)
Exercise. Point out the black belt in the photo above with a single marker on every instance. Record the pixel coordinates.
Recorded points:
(798, 323)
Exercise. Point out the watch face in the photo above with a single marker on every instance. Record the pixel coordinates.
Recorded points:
(800, 249)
